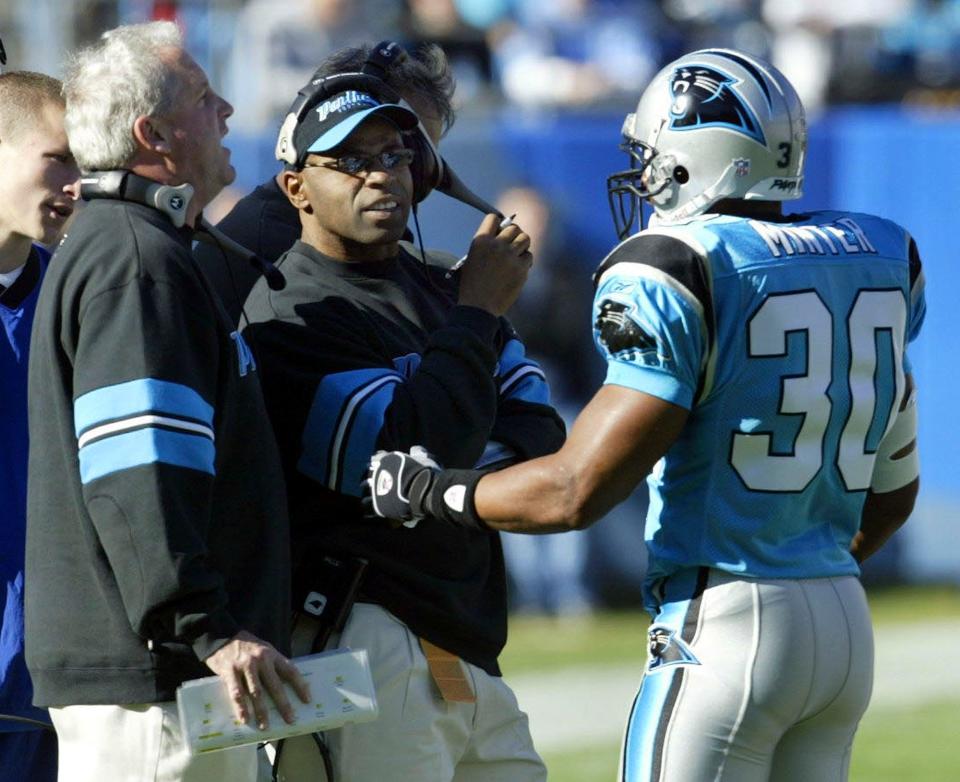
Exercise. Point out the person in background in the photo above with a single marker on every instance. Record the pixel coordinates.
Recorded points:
(38, 188)
(157, 529)
(546, 572)
(575, 53)
(440, 23)
(758, 374)
(274, 46)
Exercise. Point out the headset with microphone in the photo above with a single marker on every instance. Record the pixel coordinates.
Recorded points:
(430, 171)
(171, 200)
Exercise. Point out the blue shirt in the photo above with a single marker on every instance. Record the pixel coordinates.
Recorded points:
(786, 341)
(17, 305)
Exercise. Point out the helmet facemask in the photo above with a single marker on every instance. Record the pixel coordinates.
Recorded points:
(648, 177)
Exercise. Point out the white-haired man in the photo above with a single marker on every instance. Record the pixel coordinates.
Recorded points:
(157, 541)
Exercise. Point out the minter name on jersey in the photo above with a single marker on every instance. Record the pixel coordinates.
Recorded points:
(842, 236)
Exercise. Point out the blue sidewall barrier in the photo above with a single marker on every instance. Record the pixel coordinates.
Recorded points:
(899, 163)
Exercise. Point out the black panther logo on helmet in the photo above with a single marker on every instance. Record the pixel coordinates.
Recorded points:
(704, 97)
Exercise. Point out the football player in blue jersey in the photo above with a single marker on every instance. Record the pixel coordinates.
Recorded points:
(758, 379)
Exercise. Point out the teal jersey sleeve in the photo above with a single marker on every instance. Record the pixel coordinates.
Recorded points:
(651, 317)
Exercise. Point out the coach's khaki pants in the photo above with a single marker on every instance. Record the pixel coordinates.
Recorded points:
(139, 743)
(418, 736)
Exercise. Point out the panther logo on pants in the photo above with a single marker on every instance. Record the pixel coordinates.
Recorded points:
(667, 649)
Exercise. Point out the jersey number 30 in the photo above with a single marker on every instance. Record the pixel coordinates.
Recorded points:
(873, 311)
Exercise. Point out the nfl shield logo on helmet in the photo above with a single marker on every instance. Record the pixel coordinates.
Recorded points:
(741, 166)
(667, 648)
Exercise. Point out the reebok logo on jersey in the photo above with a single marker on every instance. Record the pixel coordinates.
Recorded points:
(618, 332)
(668, 649)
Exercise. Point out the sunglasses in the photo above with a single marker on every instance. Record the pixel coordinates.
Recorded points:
(356, 162)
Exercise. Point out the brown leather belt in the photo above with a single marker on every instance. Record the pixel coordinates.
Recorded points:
(449, 674)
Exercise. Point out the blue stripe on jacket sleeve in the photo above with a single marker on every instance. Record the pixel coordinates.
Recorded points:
(512, 355)
(362, 440)
(528, 383)
(520, 377)
(343, 424)
(146, 446)
(139, 396)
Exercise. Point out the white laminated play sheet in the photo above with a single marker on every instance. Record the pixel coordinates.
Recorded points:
(341, 689)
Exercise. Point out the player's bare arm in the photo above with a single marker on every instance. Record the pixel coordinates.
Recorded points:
(613, 445)
(883, 514)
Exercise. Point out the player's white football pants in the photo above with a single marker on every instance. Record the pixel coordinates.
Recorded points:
(751, 680)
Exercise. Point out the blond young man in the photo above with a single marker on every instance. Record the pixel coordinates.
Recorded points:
(37, 191)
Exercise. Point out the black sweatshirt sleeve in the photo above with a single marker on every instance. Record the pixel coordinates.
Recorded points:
(526, 426)
(145, 381)
(336, 395)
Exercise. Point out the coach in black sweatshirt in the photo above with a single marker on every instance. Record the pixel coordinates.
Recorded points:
(157, 540)
(368, 347)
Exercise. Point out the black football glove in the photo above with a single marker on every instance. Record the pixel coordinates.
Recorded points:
(398, 483)
(408, 487)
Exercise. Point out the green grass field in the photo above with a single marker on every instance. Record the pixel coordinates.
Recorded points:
(916, 743)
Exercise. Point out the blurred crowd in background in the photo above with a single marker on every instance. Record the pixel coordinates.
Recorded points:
(531, 53)
(538, 56)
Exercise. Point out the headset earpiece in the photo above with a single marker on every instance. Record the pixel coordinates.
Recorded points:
(427, 166)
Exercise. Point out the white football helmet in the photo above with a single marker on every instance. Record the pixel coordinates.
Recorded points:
(713, 124)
